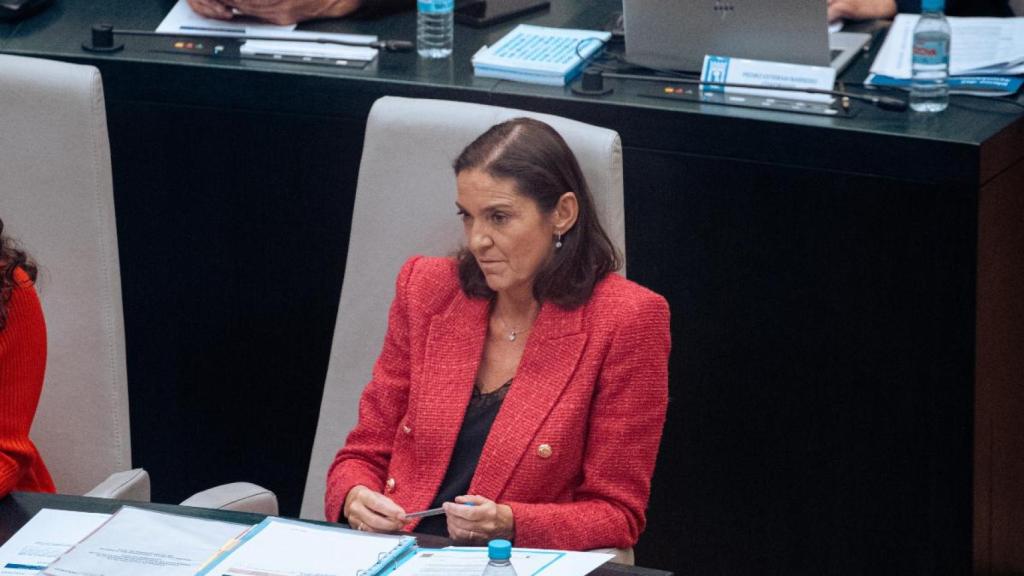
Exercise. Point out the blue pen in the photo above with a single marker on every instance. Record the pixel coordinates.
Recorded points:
(431, 512)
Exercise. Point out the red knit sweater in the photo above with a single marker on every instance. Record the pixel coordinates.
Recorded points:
(22, 364)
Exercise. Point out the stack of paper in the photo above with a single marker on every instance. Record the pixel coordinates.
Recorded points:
(985, 54)
(539, 55)
(136, 542)
(307, 51)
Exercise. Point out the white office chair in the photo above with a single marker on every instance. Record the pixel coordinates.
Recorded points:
(404, 206)
(57, 200)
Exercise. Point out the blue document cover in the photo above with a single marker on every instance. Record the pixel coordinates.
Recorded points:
(978, 85)
(539, 55)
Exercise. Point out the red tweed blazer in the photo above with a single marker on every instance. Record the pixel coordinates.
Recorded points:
(572, 450)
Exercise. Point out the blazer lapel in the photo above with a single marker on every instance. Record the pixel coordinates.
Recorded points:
(548, 363)
(452, 356)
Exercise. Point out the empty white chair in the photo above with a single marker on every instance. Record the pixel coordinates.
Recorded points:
(57, 200)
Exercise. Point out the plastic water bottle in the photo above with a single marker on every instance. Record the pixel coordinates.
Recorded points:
(929, 84)
(435, 28)
(499, 552)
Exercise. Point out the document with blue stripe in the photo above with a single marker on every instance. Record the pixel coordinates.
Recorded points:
(44, 538)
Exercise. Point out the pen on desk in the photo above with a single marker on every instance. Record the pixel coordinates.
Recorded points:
(431, 512)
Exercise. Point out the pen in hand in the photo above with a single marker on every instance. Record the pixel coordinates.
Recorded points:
(431, 512)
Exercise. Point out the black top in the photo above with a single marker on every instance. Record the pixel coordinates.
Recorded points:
(480, 414)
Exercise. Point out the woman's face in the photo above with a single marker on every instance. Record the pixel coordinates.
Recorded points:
(505, 231)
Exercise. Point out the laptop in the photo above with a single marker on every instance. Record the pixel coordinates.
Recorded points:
(676, 34)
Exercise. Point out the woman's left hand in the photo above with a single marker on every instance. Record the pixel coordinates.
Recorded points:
(485, 520)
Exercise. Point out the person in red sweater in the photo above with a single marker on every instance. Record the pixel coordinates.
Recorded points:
(22, 364)
(521, 376)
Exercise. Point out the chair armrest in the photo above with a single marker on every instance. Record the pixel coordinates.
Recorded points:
(127, 485)
(237, 496)
(622, 555)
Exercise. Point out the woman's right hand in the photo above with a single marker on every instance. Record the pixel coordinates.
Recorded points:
(372, 511)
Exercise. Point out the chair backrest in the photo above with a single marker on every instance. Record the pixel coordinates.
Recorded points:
(405, 205)
(56, 199)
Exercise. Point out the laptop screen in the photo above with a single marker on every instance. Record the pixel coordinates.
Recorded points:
(676, 34)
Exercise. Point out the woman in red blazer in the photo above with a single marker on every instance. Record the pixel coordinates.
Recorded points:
(522, 385)
(22, 363)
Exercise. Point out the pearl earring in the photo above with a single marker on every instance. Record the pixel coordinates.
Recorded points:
(558, 240)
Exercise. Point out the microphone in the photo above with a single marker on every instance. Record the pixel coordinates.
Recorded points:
(102, 40)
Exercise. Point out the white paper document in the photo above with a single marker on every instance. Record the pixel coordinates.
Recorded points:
(273, 48)
(183, 20)
(42, 539)
(469, 561)
(136, 541)
(979, 46)
(280, 547)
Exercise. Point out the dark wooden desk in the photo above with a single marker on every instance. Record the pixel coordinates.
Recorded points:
(19, 507)
(845, 292)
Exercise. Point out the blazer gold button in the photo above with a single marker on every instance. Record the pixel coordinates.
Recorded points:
(406, 429)
(390, 486)
(544, 451)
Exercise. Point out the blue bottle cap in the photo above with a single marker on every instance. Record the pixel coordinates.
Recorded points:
(499, 549)
(933, 5)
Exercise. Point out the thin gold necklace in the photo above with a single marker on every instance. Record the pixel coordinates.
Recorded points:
(513, 333)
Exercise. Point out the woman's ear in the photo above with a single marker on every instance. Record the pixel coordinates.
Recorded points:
(566, 211)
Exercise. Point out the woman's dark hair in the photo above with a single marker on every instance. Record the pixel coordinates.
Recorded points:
(11, 259)
(536, 158)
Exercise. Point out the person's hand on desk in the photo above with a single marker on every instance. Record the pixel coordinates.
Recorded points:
(860, 9)
(485, 520)
(280, 12)
(371, 511)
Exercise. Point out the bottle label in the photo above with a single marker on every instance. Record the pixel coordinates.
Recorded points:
(435, 6)
(930, 52)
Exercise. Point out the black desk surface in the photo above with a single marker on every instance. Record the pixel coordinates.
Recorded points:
(59, 32)
(19, 507)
